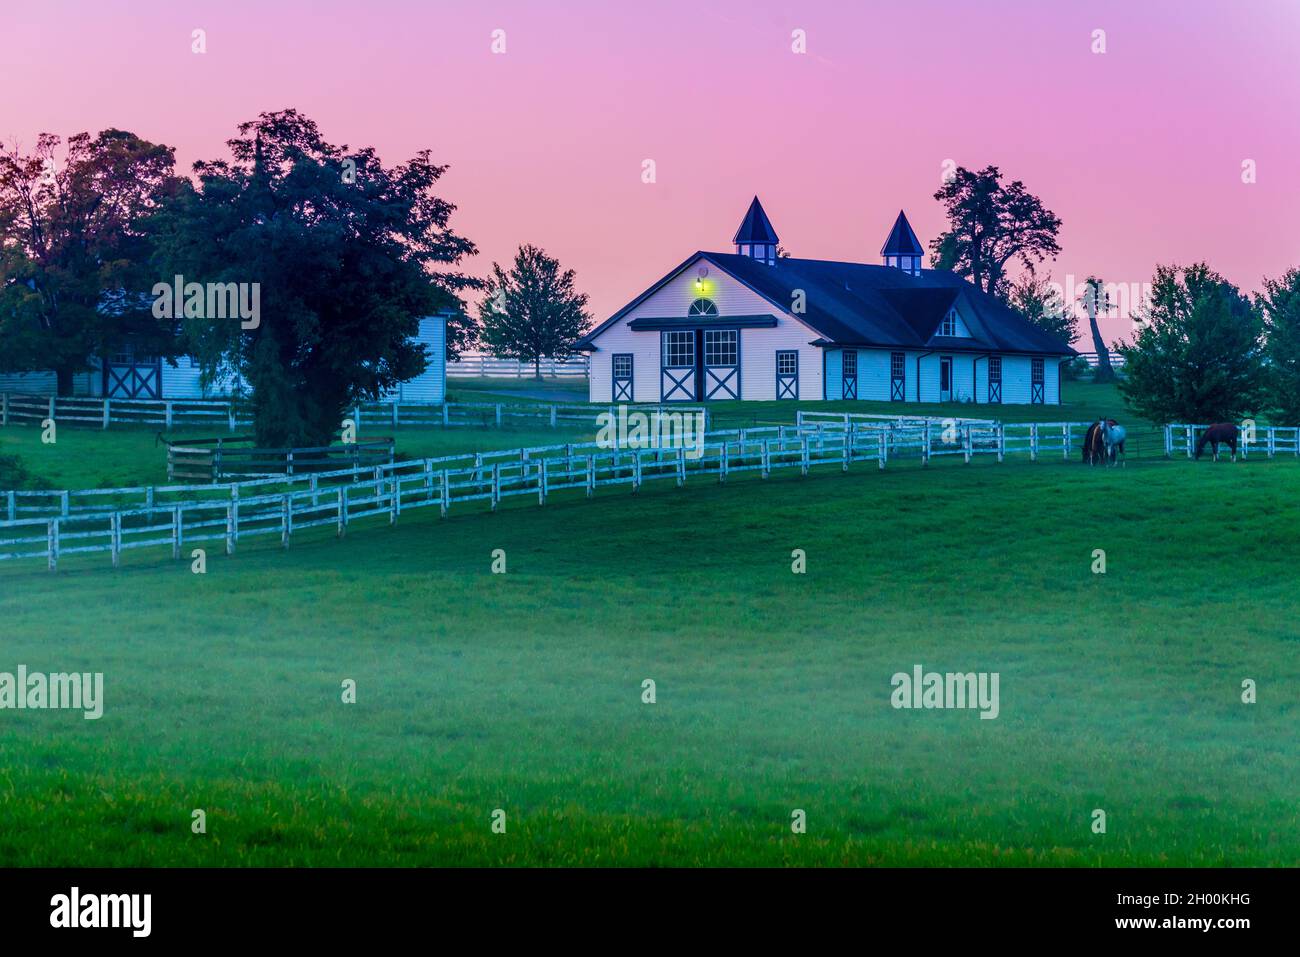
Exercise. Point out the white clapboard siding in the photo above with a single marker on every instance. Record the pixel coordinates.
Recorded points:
(758, 347)
(430, 385)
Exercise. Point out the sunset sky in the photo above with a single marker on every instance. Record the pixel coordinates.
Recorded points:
(1139, 150)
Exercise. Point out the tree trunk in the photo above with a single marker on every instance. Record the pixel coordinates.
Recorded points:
(537, 367)
(63, 378)
(1104, 371)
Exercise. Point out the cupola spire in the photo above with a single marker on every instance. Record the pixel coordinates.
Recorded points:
(902, 249)
(756, 237)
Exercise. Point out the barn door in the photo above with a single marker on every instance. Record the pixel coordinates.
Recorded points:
(127, 376)
(849, 373)
(787, 374)
(622, 377)
(995, 378)
(677, 366)
(722, 363)
(1036, 382)
(897, 377)
(945, 379)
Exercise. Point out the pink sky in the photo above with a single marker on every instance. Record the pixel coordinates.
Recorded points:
(1139, 150)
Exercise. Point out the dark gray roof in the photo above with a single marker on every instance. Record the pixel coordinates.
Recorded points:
(855, 304)
(755, 227)
(902, 241)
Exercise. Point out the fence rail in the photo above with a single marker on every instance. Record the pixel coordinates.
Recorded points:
(170, 413)
(48, 525)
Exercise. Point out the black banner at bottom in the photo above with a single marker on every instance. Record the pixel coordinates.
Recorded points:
(366, 906)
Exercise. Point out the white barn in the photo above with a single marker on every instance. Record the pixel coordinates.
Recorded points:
(130, 376)
(752, 325)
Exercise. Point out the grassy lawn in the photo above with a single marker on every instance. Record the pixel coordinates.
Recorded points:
(523, 691)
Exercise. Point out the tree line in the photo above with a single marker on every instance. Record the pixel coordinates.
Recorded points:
(1201, 351)
(346, 254)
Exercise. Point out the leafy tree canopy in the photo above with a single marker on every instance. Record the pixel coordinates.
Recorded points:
(533, 310)
(347, 255)
(1197, 355)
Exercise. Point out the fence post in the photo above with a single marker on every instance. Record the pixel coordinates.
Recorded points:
(177, 535)
(395, 416)
(105, 422)
(52, 543)
(681, 467)
(847, 439)
(288, 462)
(925, 446)
(63, 503)
(12, 506)
(1002, 441)
(230, 528)
(553, 416)
(51, 408)
(541, 481)
(636, 469)
(230, 415)
(445, 421)
(167, 414)
(1065, 442)
(148, 497)
(343, 511)
(444, 491)
(966, 445)
(114, 542)
(1169, 442)
(498, 415)
(882, 448)
(394, 506)
(286, 521)
(765, 460)
(234, 507)
(591, 476)
(724, 463)
(379, 482)
(1271, 442)
(803, 453)
(356, 419)
(1033, 441)
(1190, 439)
(496, 485)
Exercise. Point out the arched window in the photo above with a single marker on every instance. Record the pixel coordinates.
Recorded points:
(702, 307)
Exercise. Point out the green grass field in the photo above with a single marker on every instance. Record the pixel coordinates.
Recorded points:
(523, 691)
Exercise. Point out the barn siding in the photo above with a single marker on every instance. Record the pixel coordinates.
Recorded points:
(430, 385)
(758, 347)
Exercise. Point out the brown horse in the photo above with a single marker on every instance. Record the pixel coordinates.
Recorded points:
(1094, 443)
(1220, 432)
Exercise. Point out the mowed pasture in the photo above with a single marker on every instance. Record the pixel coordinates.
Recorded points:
(523, 691)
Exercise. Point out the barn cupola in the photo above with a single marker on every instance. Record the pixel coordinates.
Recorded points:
(756, 237)
(902, 249)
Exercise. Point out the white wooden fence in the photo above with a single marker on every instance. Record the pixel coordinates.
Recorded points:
(1260, 440)
(170, 413)
(48, 525)
(484, 366)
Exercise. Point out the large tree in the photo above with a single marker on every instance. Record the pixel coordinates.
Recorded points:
(533, 310)
(989, 226)
(1197, 355)
(1280, 305)
(348, 255)
(74, 252)
(1095, 300)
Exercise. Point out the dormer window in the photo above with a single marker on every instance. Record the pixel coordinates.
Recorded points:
(702, 307)
(951, 325)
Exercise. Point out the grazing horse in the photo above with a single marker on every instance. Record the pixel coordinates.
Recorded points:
(1224, 432)
(1113, 435)
(1094, 446)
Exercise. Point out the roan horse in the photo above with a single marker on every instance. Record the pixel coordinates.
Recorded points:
(1224, 432)
(1104, 442)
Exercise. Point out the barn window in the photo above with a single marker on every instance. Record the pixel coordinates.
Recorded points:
(787, 363)
(995, 378)
(850, 362)
(702, 307)
(1038, 371)
(679, 350)
(623, 366)
(949, 325)
(720, 347)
